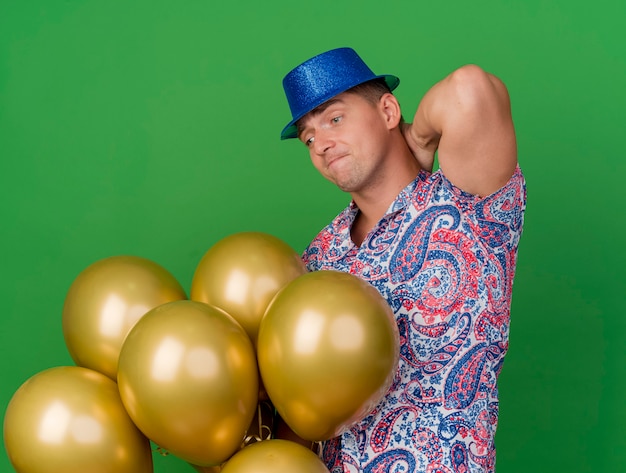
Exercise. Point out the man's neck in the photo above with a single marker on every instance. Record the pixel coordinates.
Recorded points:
(374, 201)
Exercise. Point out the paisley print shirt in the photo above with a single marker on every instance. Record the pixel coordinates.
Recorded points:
(445, 262)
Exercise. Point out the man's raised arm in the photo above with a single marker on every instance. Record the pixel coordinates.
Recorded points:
(466, 118)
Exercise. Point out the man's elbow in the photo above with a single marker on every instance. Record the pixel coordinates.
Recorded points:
(473, 85)
(476, 90)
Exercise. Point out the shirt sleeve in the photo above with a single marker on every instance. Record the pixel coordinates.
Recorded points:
(497, 218)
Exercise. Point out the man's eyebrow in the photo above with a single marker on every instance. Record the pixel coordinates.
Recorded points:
(316, 111)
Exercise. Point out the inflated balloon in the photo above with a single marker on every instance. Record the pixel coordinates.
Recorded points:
(328, 350)
(241, 274)
(261, 428)
(71, 419)
(188, 378)
(105, 301)
(275, 456)
(283, 431)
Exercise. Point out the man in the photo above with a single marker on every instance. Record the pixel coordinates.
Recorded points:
(440, 247)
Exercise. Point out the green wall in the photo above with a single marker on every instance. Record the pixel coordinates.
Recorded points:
(151, 128)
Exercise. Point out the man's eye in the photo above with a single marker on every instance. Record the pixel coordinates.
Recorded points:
(310, 141)
(336, 119)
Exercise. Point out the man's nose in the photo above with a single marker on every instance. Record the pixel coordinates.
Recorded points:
(323, 141)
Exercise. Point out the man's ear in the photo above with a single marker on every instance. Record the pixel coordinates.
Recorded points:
(390, 108)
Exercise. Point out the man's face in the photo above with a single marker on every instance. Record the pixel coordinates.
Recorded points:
(347, 138)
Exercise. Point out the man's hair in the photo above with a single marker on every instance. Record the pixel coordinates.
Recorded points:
(371, 90)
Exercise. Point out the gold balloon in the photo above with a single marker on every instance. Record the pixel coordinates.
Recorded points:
(188, 378)
(275, 456)
(328, 350)
(71, 419)
(260, 429)
(105, 301)
(242, 273)
(283, 431)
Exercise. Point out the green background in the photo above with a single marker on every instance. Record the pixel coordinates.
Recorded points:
(151, 128)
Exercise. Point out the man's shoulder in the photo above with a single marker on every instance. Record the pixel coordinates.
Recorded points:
(332, 239)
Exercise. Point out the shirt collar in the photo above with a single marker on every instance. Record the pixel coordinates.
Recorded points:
(344, 220)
